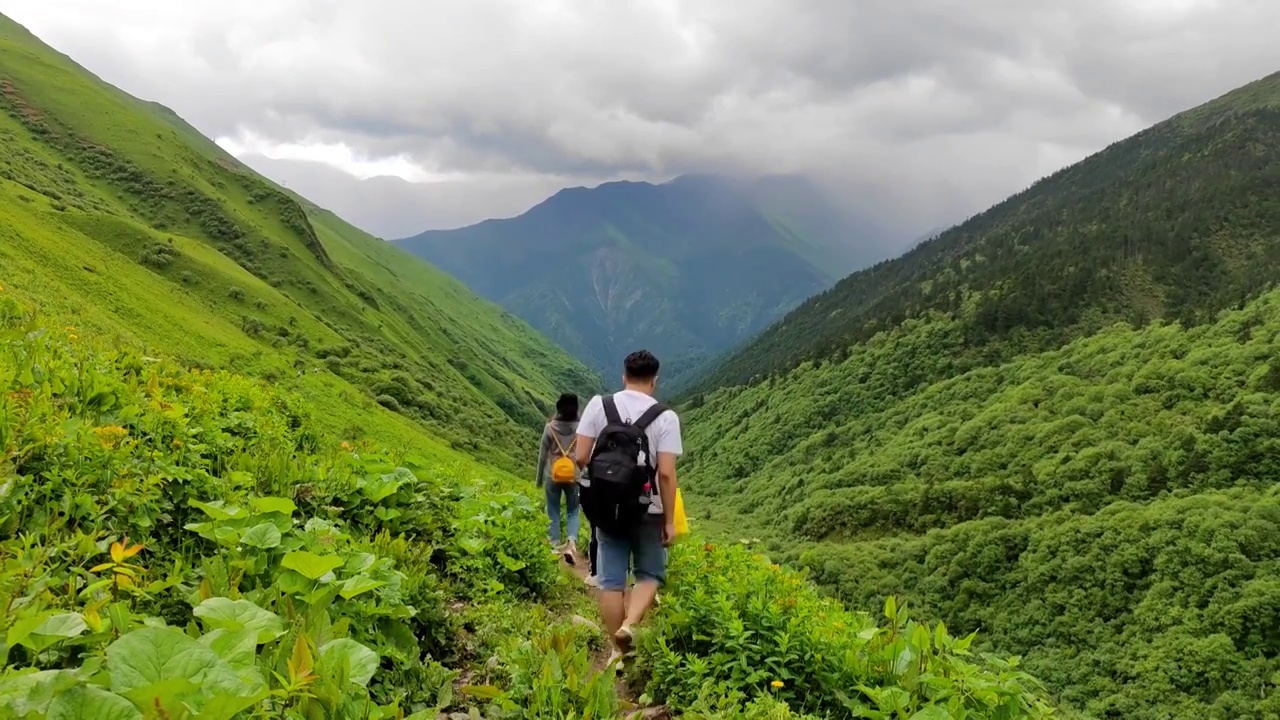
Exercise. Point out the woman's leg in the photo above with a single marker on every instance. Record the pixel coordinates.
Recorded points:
(553, 513)
(573, 522)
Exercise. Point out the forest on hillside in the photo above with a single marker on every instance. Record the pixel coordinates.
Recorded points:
(1107, 510)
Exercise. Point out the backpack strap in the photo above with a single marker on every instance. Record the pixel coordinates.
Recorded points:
(653, 413)
(611, 415)
(560, 445)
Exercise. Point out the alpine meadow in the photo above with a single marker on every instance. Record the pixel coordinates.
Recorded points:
(1056, 424)
(255, 463)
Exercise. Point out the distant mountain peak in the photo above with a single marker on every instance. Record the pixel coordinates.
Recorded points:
(688, 267)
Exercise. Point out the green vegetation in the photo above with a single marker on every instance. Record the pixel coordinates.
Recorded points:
(1107, 510)
(687, 269)
(1055, 423)
(118, 217)
(231, 485)
(180, 543)
(1175, 223)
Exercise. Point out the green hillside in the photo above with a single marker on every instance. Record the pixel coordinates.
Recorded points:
(1175, 223)
(118, 216)
(227, 489)
(1109, 509)
(687, 269)
(1056, 424)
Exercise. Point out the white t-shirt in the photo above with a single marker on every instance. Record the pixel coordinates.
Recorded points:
(663, 433)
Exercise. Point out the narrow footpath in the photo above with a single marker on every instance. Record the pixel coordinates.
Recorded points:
(600, 658)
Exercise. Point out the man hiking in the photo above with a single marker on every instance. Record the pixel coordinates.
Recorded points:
(629, 442)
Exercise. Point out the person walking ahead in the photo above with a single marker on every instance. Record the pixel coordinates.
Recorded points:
(629, 443)
(558, 470)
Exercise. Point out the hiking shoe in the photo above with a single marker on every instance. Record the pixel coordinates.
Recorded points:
(592, 582)
(570, 552)
(617, 661)
(625, 640)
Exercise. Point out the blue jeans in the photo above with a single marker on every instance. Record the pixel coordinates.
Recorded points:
(570, 494)
(641, 554)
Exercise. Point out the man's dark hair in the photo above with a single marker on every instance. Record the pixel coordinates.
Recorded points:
(567, 407)
(641, 365)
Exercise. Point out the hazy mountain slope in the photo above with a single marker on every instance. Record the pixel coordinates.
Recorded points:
(687, 268)
(1178, 222)
(147, 228)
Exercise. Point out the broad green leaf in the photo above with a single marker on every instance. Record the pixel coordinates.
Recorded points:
(472, 545)
(91, 703)
(293, 583)
(940, 637)
(263, 537)
(219, 510)
(42, 631)
(226, 535)
(273, 505)
(311, 565)
(235, 615)
(357, 585)
(349, 659)
(932, 712)
(163, 663)
(359, 562)
(223, 706)
(237, 647)
(26, 692)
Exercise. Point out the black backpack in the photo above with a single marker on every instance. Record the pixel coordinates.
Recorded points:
(615, 501)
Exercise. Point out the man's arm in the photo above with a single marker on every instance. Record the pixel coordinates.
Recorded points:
(589, 427)
(670, 447)
(542, 458)
(667, 486)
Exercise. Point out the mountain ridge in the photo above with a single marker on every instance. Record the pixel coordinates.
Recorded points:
(686, 267)
(976, 266)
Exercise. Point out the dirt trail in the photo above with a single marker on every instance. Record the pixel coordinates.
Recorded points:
(600, 658)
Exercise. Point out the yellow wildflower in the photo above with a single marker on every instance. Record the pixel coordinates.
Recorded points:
(110, 435)
(346, 446)
(777, 684)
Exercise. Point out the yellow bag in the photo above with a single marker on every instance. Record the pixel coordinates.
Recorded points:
(681, 519)
(564, 470)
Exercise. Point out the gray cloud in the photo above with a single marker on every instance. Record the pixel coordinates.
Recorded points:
(923, 111)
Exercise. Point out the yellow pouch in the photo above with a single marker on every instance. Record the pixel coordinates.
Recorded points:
(681, 519)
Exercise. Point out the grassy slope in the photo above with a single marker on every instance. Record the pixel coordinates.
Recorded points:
(1176, 222)
(91, 178)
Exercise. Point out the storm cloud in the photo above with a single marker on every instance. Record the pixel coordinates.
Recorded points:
(920, 112)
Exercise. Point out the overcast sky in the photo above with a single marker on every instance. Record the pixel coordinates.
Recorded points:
(919, 111)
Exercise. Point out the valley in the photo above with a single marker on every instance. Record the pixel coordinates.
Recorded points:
(1055, 424)
(257, 463)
